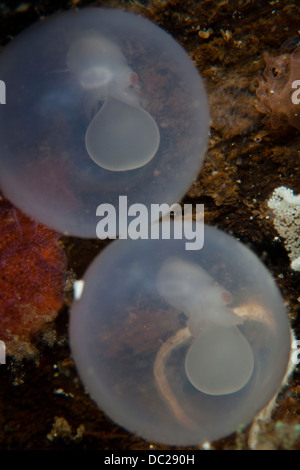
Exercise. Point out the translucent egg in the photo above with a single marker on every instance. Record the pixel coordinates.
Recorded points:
(180, 347)
(99, 103)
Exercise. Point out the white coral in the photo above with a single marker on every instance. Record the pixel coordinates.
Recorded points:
(286, 209)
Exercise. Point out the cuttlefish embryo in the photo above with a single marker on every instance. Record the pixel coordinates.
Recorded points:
(219, 360)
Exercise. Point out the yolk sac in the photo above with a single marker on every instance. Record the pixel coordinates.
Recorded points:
(122, 135)
(99, 103)
(177, 346)
(221, 360)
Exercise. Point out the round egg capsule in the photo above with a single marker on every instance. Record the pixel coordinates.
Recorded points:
(99, 103)
(180, 347)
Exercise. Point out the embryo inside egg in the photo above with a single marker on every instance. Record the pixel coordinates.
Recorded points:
(220, 359)
(177, 346)
(122, 135)
(100, 103)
